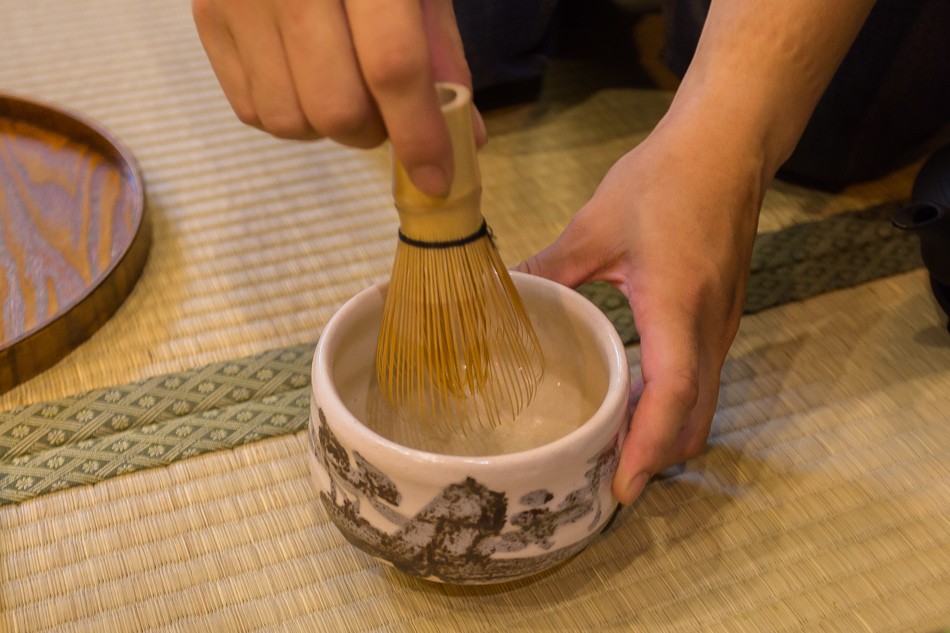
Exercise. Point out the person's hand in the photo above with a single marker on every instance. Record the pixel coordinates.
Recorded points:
(673, 222)
(355, 71)
(672, 226)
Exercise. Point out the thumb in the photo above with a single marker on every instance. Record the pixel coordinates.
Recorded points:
(563, 261)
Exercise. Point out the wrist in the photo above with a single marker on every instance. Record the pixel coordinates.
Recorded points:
(737, 122)
(729, 142)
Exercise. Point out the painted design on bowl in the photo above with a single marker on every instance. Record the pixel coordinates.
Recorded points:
(465, 533)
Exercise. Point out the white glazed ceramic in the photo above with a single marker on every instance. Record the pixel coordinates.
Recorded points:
(471, 520)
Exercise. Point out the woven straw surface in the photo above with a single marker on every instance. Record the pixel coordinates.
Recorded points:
(822, 503)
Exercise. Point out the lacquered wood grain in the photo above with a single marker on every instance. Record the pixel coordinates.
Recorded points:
(73, 236)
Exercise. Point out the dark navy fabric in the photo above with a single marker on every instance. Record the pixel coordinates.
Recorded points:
(887, 100)
(506, 41)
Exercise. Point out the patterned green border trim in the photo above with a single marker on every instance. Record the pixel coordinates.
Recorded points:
(93, 436)
(90, 437)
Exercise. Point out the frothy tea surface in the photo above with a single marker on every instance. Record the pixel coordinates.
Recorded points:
(559, 407)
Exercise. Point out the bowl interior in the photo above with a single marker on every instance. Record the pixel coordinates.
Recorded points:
(579, 355)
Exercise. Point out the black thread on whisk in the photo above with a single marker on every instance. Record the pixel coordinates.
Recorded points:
(480, 233)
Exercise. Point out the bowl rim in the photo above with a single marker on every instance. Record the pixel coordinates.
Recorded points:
(616, 397)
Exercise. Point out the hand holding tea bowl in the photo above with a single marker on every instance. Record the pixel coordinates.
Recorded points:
(490, 505)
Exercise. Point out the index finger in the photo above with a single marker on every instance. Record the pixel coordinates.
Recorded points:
(393, 54)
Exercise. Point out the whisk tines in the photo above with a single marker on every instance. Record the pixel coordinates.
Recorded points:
(457, 346)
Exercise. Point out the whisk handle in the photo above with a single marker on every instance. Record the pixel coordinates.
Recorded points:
(458, 214)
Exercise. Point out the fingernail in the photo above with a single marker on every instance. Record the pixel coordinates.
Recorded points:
(430, 179)
(636, 487)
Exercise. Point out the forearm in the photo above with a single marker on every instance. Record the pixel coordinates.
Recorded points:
(761, 67)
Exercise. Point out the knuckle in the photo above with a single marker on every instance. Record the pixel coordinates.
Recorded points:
(351, 120)
(246, 114)
(341, 120)
(286, 123)
(694, 447)
(705, 282)
(684, 388)
(392, 70)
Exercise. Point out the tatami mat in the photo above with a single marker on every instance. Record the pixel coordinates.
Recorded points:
(823, 503)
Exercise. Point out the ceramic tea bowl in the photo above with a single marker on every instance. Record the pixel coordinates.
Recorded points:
(473, 519)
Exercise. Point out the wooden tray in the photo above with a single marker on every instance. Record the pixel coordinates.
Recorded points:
(73, 233)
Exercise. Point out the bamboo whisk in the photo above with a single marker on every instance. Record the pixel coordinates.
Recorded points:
(456, 346)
